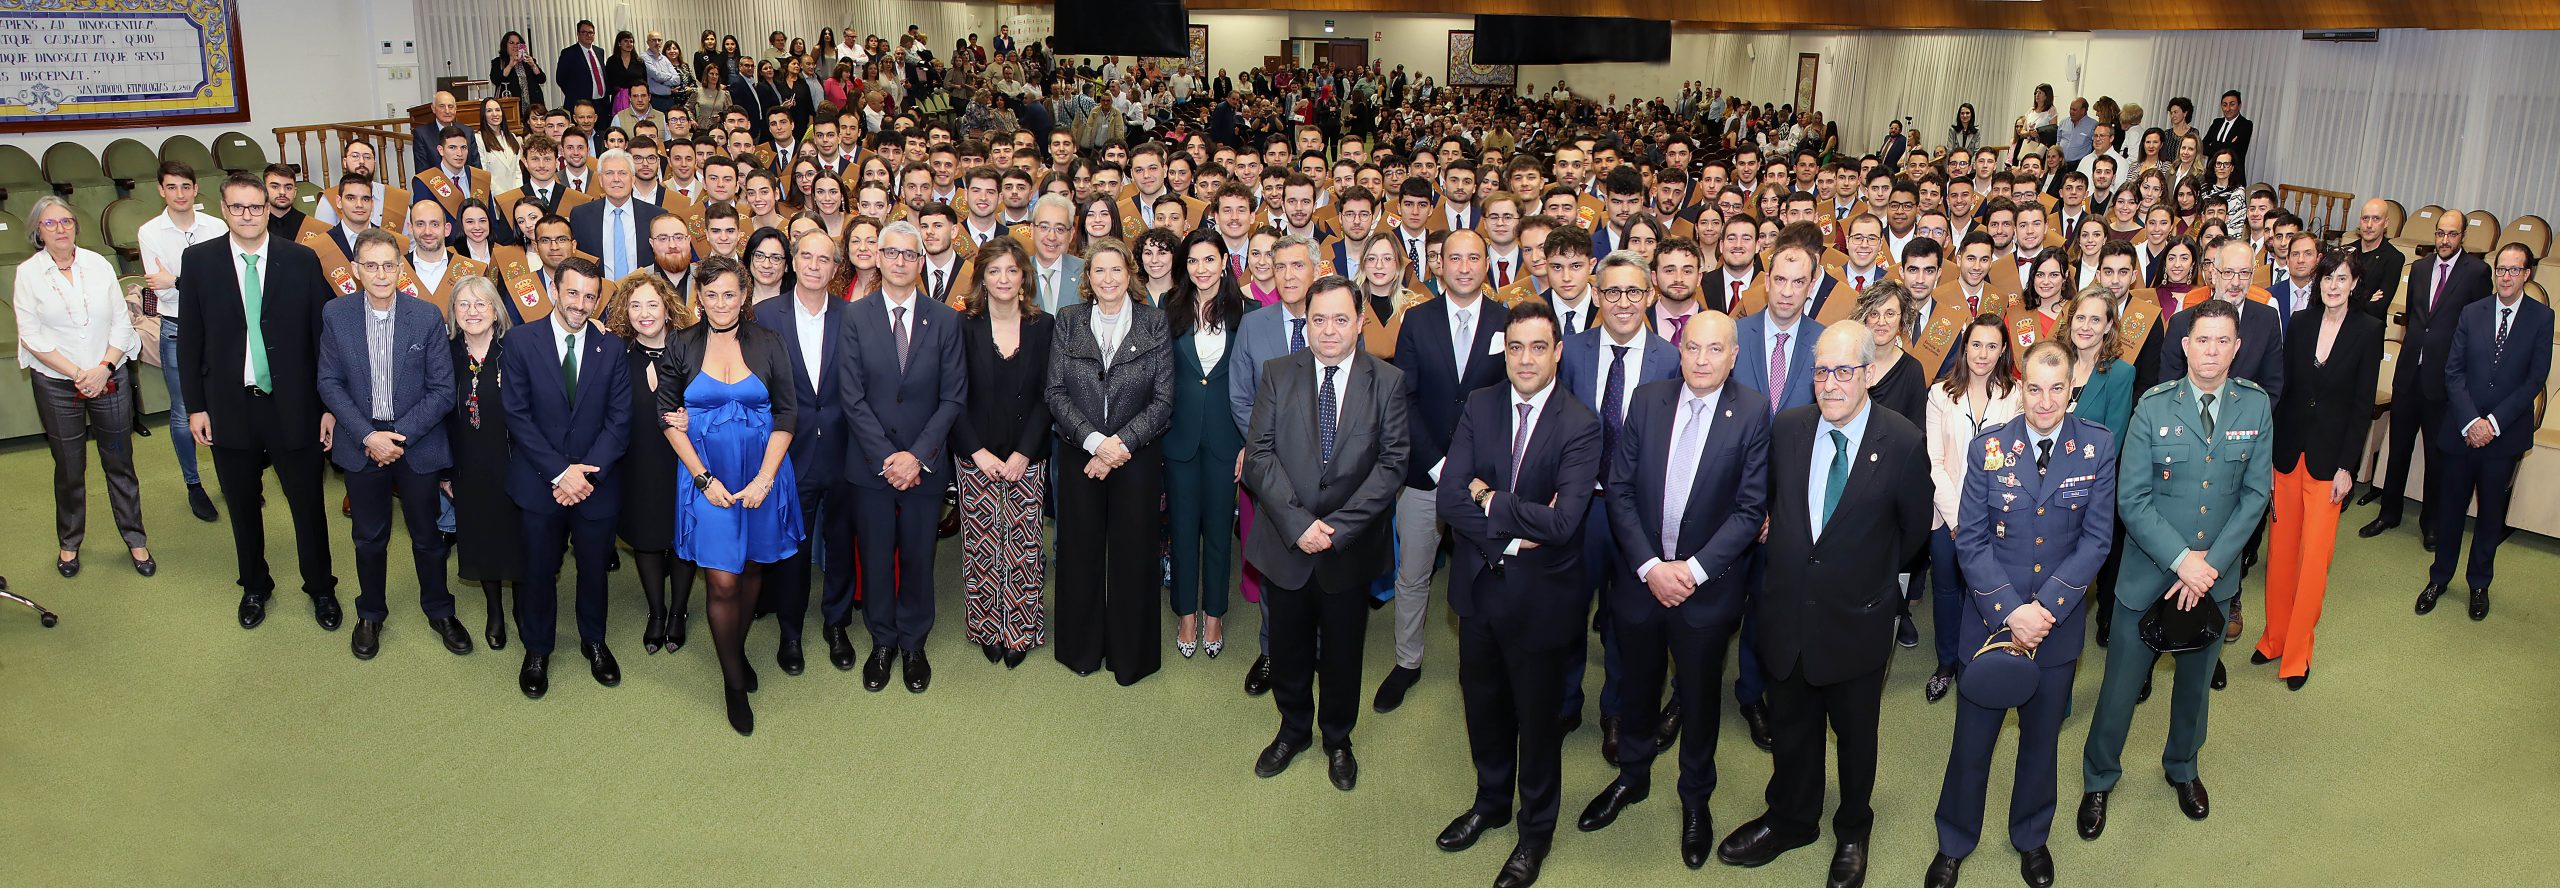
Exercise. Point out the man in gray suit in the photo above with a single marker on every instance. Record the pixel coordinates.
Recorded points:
(1056, 273)
(386, 373)
(1321, 489)
(1272, 332)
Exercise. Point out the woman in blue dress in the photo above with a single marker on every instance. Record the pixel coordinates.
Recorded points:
(725, 395)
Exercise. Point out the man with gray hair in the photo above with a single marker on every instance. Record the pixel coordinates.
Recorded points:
(614, 229)
(1054, 271)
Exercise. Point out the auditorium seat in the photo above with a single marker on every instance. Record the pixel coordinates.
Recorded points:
(19, 171)
(238, 153)
(2394, 218)
(123, 221)
(2480, 232)
(70, 165)
(17, 397)
(132, 165)
(14, 247)
(186, 148)
(2418, 234)
(2530, 231)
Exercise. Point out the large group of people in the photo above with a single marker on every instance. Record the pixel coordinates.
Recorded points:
(1682, 375)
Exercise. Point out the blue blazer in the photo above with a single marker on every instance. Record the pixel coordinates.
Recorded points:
(1204, 426)
(1436, 392)
(1728, 497)
(421, 380)
(547, 435)
(1536, 596)
(889, 411)
(2032, 536)
(2484, 380)
(586, 223)
(1580, 370)
(1262, 337)
(1751, 367)
(817, 439)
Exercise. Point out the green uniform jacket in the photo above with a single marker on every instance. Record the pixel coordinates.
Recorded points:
(2178, 491)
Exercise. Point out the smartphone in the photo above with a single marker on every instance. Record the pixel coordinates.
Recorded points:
(150, 302)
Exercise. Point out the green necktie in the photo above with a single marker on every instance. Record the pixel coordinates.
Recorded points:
(1838, 480)
(569, 367)
(253, 301)
(2207, 413)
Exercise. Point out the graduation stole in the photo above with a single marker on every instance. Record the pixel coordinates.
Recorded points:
(2134, 328)
(524, 289)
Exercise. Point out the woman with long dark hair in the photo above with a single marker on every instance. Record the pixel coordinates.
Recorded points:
(515, 72)
(2332, 355)
(624, 70)
(1201, 444)
(1977, 393)
(1965, 134)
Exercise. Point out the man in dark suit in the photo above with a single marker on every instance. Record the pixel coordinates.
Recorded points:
(1687, 496)
(901, 385)
(1260, 337)
(1775, 359)
(811, 321)
(2440, 287)
(425, 140)
(386, 373)
(1602, 367)
(615, 228)
(1448, 348)
(2261, 351)
(1737, 265)
(1848, 505)
(1325, 450)
(2028, 560)
(2230, 132)
(248, 362)
(1531, 455)
(2501, 356)
(580, 72)
(569, 399)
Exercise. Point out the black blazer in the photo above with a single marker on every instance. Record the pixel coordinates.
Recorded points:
(1437, 391)
(214, 343)
(1008, 412)
(1728, 497)
(1536, 598)
(1293, 486)
(768, 358)
(2327, 407)
(1827, 607)
(818, 435)
(2432, 326)
(1133, 399)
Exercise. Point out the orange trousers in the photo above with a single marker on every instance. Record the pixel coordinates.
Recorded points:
(2300, 544)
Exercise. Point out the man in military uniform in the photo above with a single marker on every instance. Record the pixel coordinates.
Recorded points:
(2193, 483)
(2045, 485)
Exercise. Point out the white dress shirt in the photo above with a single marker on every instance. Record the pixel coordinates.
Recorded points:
(239, 269)
(1635, 366)
(1522, 430)
(164, 244)
(1210, 341)
(1856, 430)
(1679, 426)
(811, 327)
(1339, 381)
(430, 273)
(78, 316)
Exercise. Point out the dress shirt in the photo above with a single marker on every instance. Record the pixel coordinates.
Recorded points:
(2040, 441)
(2076, 137)
(1457, 216)
(1210, 341)
(1507, 263)
(2506, 315)
(811, 327)
(164, 243)
(1769, 347)
(249, 374)
(378, 350)
(938, 275)
(1048, 274)
(1340, 380)
(1734, 285)
(577, 345)
(78, 316)
(981, 237)
(1679, 426)
(1856, 429)
(1416, 249)
(1579, 309)
(430, 273)
(1895, 242)
(1464, 321)
(1634, 360)
(1525, 431)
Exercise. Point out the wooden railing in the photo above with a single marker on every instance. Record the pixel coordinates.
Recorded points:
(390, 138)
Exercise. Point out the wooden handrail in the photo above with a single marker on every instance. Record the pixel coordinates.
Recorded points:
(389, 136)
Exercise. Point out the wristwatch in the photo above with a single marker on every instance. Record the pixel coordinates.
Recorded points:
(702, 481)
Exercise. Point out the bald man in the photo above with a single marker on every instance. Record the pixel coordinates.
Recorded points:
(423, 137)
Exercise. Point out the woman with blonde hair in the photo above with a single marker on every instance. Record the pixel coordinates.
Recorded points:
(486, 523)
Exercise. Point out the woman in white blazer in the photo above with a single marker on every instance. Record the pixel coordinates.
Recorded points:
(1978, 393)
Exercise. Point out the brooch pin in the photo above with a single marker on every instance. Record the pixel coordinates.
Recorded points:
(2009, 480)
(2000, 529)
(2070, 445)
(2008, 498)
(2088, 451)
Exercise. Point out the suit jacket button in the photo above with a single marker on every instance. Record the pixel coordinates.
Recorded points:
(2039, 568)
(2039, 510)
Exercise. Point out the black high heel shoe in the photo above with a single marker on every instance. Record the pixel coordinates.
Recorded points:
(995, 652)
(751, 680)
(675, 632)
(742, 715)
(1013, 659)
(655, 636)
(68, 567)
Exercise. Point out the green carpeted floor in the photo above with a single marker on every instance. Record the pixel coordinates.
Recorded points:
(150, 741)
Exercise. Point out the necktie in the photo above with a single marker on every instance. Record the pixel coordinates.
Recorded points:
(2044, 455)
(1734, 300)
(2444, 270)
(1413, 249)
(569, 367)
(1519, 445)
(616, 252)
(1466, 337)
(1858, 283)
(1297, 335)
(2207, 415)
(253, 303)
(1501, 275)
(1049, 287)
(1237, 260)
(1569, 328)
(1837, 480)
(595, 72)
(1683, 469)
(898, 331)
(1326, 422)
(939, 293)
(2500, 346)
(1613, 415)
(1778, 372)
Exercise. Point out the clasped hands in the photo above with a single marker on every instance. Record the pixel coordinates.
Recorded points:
(2195, 580)
(1111, 455)
(2029, 624)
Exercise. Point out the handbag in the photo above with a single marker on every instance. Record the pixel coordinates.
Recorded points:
(2169, 630)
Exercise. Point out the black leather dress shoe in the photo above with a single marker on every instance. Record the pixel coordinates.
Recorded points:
(875, 671)
(2479, 603)
(1942, 872)
(2035, 865)
(68, 567)
(1939, 682)
(1755, 844)
(253, 610)
(2221, 678)
(2426, 540)
(1341, 768)
(2427, 598)
(2368, 496)
(2144, 694)
(1697, 836)
(535, 678)
(2259, 659)
(742, 714)
(600, 663)
(1391, 690)
(1756, 717)
(2191, 799)
(787, 656)
(148, 567)
(839, 648)
(1274, 759)
(1257, 680)
(2093, 815)
(2295, 683)
(324, 611)
(1668, 734)
(1461, 833)
(1521, 870)
(1605, 807)
(367, 639)
(1609, 739)
(1013, 659)
(1848, 866)
(918, 671)
(2375, 528)
(457, 640)
(200, 504)
(1569, 724)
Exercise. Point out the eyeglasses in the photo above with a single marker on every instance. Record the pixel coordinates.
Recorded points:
(1623, 295)
(243, 209)
(668, 238)
(1846, 373)
(57, 223)
(901, 255)
(554, 241)
(379, 267)
(2511, 269)
(761, 257)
